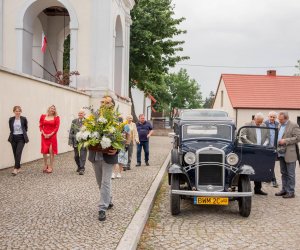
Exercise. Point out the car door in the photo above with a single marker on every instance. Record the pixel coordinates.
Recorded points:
(256, 146)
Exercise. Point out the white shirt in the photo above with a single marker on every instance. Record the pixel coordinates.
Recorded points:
(17, 127)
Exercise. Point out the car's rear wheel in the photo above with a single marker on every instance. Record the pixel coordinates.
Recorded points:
(174, 156)
(175, 198)
(244, 202)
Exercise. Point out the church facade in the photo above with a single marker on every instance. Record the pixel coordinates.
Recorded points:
(99, 41)
(90, 37)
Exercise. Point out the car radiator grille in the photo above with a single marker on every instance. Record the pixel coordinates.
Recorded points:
(210, 173)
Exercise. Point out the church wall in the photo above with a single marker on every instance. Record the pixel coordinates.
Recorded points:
(35, 96)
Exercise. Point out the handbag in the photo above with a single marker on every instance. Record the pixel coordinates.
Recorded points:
(123, 157)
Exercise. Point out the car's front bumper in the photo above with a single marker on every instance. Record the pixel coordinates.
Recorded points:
(212, 194)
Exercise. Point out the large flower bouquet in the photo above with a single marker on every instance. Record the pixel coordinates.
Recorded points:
(102, 130)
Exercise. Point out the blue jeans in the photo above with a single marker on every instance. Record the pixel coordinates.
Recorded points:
(145, 145)
(288, 174)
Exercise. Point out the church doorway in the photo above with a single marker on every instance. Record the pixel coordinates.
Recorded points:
(57, 21)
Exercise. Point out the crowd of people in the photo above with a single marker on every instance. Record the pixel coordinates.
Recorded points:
(107, 165)
(286, 144)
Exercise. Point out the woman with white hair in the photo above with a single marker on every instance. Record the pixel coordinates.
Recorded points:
(133, 138)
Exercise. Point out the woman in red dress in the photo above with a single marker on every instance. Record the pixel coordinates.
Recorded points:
(49, 125)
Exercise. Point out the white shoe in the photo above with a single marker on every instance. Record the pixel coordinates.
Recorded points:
(113, 176)
(118, 175)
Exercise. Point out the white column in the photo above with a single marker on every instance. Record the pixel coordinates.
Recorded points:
(73, 55)
(1, 32)
(102, 42)
(128, 22)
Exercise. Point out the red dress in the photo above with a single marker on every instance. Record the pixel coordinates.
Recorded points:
(48, 127)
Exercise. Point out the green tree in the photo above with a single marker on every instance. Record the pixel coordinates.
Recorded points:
(153, 49)
(209, 101)
(184, 92)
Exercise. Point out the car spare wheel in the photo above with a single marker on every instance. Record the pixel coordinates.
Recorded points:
(175, 198)
(244, 202)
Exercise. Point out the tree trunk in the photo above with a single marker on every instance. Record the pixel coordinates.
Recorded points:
(135, 119)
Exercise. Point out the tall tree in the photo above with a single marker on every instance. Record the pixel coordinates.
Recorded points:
(184, 92)
(209, 101)
(153, 48)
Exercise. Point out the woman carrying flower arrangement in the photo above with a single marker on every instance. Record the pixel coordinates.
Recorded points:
(102, 131)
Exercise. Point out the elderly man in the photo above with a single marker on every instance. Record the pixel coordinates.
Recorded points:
(103, 166)
(256, 136)
(272, 123)
(80, 159)
(288, 153)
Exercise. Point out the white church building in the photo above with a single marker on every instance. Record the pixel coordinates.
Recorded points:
(98, 32)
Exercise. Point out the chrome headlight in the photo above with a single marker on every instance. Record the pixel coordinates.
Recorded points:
(232, 159)
(190, 158)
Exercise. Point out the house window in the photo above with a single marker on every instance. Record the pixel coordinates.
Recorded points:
(222, 99)
(298, 120)
(253, 117)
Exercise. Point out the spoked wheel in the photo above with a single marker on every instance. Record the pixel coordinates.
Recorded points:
(244, 202)
(175, 198)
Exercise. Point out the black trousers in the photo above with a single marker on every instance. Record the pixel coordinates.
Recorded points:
(257, 185)
(17, 145)
(80, 159)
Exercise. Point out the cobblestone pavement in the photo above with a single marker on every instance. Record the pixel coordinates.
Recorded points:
(59, 210)
(274, 223)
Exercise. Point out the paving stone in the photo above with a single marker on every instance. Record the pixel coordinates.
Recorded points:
(274, 223)
(60, 210)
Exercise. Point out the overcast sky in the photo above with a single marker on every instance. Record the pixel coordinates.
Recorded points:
(239, 33)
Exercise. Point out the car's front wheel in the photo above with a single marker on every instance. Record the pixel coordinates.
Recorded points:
(244, 202)
(175, 198)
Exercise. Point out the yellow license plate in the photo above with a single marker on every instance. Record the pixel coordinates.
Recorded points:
(211, 201)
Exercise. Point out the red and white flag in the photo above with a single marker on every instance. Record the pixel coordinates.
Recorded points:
(44, 43)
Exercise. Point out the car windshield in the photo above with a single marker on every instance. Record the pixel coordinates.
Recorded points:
(194, 114)
(207, 130)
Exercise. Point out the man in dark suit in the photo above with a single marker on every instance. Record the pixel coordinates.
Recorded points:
(80, 159)
(256, 136)
(103, 166)
(288, 153)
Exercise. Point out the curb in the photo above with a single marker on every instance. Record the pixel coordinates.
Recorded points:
(133, 232)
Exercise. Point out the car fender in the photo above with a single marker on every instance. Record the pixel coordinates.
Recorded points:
(175, 169)
(246, 169)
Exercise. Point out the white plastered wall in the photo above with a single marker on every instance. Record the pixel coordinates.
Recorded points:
(35, 96)
(227, 106)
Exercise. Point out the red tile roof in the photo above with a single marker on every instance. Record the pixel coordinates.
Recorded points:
(263, 91)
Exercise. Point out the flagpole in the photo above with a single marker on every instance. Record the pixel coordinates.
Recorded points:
(52, 58)
(45, 69)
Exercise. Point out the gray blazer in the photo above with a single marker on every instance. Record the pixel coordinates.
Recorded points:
(292, 137)
(97, 156)
(75, 127)
(248, 135)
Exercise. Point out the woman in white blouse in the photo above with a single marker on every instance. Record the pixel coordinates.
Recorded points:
(18, 126)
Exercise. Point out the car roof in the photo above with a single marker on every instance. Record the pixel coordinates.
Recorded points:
(197, 114)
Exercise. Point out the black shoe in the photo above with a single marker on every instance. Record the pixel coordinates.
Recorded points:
(110, 205)
(124, 168)
(102, 215)
(81, 172)
(289, 195)
(138, 164)
(260, 192)
(128, 167)
(280, 193)
(147, 163)
(78, 169)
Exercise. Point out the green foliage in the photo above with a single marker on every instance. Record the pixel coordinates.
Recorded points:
(209, 101)
(153, 48)
(184, 92)
(66, 55)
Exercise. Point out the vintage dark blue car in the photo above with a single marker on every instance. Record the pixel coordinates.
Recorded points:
(213, 164)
